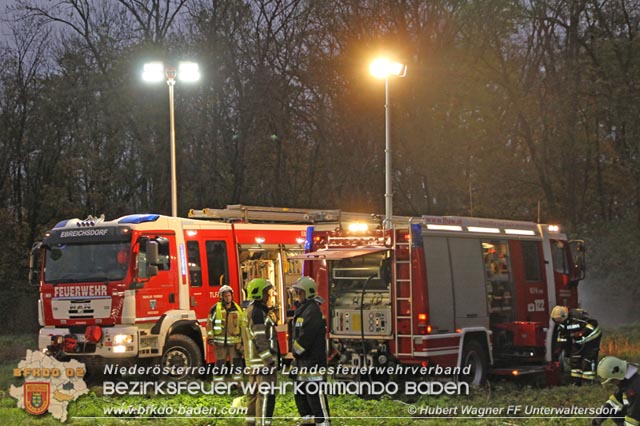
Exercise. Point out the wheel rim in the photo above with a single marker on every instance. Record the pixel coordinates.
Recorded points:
(475, 375)
(176, 357)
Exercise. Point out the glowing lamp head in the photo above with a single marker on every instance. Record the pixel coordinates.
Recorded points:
(384, 68)
(358, 227)
(153, 72)
(188, 71)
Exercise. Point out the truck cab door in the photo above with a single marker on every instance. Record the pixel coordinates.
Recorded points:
(160, 293)
(530, 282)
(211, 260)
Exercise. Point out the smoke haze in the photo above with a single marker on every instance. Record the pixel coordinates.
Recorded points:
(612, 308)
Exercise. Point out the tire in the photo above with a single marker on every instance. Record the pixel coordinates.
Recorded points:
(180, 351)
(473, 354)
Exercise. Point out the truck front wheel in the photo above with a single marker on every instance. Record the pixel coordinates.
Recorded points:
(181, 358)
(474, 359)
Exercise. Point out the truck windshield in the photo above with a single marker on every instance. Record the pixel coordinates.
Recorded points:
(86, 262)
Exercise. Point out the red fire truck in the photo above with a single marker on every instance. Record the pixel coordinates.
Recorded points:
(446, 291)
(141, 286)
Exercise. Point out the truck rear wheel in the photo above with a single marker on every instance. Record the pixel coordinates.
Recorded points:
(474, 358)
(180, 358)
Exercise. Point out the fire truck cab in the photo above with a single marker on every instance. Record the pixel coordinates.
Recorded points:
(443, 290)
(141, 287)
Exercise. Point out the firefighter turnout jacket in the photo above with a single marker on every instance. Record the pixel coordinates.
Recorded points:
(223, 325)
(624, 403)
(579, 328)
(259, 336)
(309, 340)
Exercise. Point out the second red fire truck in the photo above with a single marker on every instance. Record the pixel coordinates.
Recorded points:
(444, 291)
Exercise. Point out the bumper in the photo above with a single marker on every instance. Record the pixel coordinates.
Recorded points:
(115, 342)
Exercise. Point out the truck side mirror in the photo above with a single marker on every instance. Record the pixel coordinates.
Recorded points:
(145, 269)
(35, 263)
(147, 261)
(152, 253)
(578, 252)
(152, 270)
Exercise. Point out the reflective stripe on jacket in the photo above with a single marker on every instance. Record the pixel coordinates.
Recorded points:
(309, 340)
(626, 399)
(259, 337)
(223, 325)
(579, 327)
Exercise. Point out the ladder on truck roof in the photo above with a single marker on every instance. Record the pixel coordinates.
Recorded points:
(239, 212)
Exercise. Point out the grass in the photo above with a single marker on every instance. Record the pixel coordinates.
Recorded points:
(345, 409)
(623, 342)
(12, 348)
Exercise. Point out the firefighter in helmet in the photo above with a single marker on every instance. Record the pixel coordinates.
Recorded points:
(309, 346)
(223, 332)
(623, 406)
(578, 330)
(260, 351)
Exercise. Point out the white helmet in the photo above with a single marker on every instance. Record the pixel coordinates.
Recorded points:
(612, 368)
(224, 289)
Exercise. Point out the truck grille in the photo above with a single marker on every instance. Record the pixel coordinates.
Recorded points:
(81, 308)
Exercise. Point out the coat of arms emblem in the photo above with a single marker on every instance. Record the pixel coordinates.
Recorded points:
(36, 397)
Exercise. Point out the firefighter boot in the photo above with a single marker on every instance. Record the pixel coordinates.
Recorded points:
(306, 421)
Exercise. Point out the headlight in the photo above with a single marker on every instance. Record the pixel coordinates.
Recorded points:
(120, 339)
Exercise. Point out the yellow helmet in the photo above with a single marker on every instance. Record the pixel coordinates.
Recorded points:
(560, 314)
(612, 368)
(256, 288)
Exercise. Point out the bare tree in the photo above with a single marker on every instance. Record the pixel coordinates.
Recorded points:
(154, 18)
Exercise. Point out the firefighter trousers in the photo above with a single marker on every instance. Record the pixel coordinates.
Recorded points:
(260, 406)
(229, 351)
(312, 402)
(584, 360)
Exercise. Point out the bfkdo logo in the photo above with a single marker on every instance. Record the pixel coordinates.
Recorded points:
(37, 397)
(49, 385)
